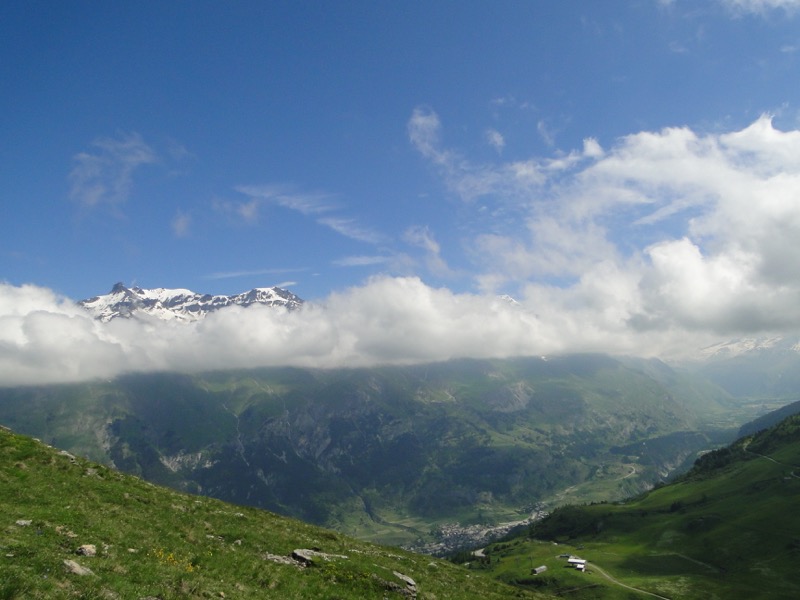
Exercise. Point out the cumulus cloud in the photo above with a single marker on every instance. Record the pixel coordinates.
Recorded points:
(689, 232)
(46, 338)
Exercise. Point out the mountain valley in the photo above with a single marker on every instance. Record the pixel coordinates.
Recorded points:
(392, 454)
(726, 529)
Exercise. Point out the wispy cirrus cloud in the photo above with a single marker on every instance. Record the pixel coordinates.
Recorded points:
(260, 196)
(319, 206)
(181, 224)
(761, 6)
(350, 228)
(546, 132)
(505, 181)
(360, 261)
(467, 179)
(104, 174)
(421, 237)
(286, 197)
(495, 139)
(249, 273)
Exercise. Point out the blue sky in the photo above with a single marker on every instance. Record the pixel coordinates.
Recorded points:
(615, 165)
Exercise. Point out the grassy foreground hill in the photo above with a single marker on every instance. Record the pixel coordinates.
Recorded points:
(70, 528)
(728, 529)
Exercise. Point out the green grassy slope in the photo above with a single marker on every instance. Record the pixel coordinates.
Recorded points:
(729, 528)
(152, 542)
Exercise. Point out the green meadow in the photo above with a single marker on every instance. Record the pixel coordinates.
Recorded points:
(152, 542)
(727, 529)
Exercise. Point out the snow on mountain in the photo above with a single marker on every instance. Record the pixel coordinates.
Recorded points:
(179, 304)
(742, 346)
(730, 348)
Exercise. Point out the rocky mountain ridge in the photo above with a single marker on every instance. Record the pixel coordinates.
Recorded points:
(179, 304)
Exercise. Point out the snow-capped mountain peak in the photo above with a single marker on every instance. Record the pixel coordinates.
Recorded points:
(179, 304)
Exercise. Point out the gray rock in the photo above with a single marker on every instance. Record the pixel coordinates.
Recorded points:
(23, 522)
(308, 557)
(76, 569)
(68, 455)
(282, 560)
(87, 550)
(411, 585)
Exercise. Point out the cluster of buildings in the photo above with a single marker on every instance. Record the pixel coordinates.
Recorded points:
(578, 563)
(573, 561)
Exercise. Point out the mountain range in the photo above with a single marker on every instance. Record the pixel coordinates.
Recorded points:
(179, 304)
(388, 453)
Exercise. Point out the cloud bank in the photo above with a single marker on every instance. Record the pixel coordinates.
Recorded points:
(46, 339)
(657, 245)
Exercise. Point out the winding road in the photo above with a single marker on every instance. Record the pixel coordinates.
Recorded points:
(626, 586)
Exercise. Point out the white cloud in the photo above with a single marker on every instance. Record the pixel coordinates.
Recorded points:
(181, 224)
(249, 211)
(423, 131)
(360, 261)
(592, 148)
(468, 180)
(304, 203)
(421, 237)
(495, 139)
(47, 339)
(251, 273)
(547, 134)
(309, 204)
(760, 6)
(351, 229)
(104, 176)
(702, 228)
